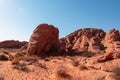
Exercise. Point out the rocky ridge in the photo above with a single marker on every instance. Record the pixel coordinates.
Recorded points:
(12, 44)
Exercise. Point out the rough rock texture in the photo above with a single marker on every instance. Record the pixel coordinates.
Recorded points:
(87, 39)
(44, 41)
(92, 40)
(112, 41)
(95, 45)
(12, 44)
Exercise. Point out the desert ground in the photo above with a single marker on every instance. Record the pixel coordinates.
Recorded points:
(86, 66)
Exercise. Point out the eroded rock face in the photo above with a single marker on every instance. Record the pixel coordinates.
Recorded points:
(88, 39)
(112, 41)
(44, 40)
(95, 45)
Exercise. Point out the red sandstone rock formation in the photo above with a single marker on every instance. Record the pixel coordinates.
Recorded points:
(44, 41)
(112, 41)
(81, 40)
(95, 45)
(12, 44)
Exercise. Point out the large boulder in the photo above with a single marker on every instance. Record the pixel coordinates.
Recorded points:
(44, 40)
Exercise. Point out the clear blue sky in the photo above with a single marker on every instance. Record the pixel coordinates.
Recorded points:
(18, 18)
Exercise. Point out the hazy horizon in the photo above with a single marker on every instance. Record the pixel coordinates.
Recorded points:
(18, 18)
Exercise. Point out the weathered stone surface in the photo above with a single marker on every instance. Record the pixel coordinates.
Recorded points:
(112, 44)
(81, 40)
(44, 40)
(112, 35)
(62, 46)
(95, 45)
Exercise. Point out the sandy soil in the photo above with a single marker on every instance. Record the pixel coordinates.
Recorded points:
(59, 68)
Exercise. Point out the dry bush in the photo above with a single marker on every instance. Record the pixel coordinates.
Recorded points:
(62, 74)
(116, 72)
(3, 57)
(21, 56)
(83, 67)
(18, 55)
(86, 54)
(43, 65)
(75, 62)
(30, 59)
(21, 66)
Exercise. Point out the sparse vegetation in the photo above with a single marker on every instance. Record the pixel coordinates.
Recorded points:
(83, 67)
(63, 74)
(3, 57)
(75, 62)
(20, 66)
(43, 65)
(86, 54)
(31, 59)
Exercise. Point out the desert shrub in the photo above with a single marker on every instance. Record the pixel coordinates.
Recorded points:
(20, 54)
(86, 54)
(83, 67)
(31, 59)
(116, 72)
(20, 66)
(75, 62)
(62, 73)
(43, 65)
(3, 57)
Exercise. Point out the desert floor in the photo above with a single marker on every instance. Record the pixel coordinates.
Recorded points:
(83, 66)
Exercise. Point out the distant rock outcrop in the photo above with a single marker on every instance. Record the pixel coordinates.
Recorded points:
(44, 41)
(12, 44)
(88, 39)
